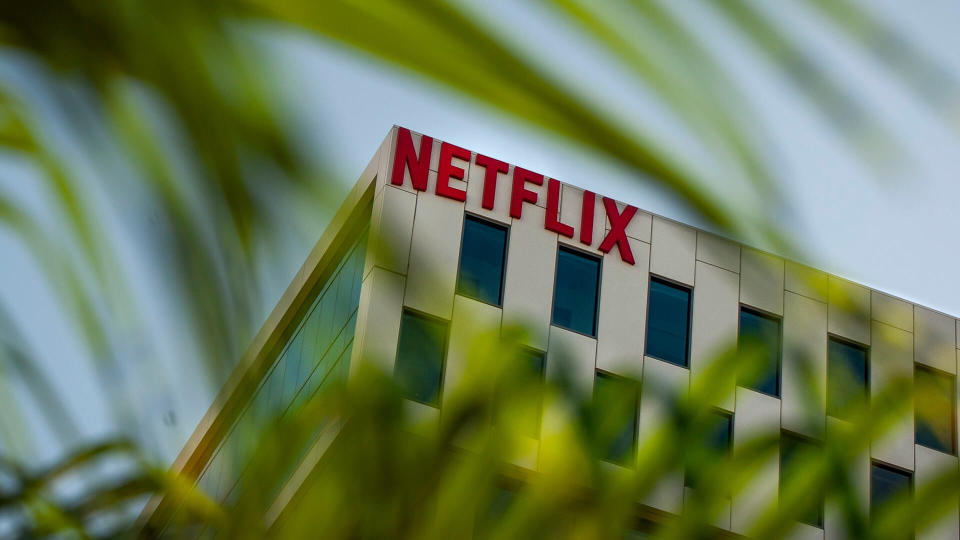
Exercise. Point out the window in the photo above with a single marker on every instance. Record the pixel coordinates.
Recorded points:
(934, 409)
(762, 332)
(847, 377)
(668, 322)
(717, 442)
(886, 483)
(483, 252)
(615, 404)
(420, 357)
(529, 415)
(575, 291)
(528, 385)
(791, 447)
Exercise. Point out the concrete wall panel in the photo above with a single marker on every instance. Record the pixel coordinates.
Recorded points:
(849, 310)
(935, 335)
(663, 382)
(715, 321)
(761, 281)
(758, 415)
(623, 311)
(891, 357)
(673, 250)
(528, 286)
(434, 255)
(718, 251)
(804, 365)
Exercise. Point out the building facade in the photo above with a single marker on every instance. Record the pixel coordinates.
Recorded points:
(435, 239)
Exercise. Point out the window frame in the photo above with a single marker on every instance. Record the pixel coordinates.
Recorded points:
(890, 467)
(445, 342)
(779, 320)
(689, 326)
(917, 366)
(867, 368)
(687, 477)
(635, 384)
(596, 307)
(803, 439)
(506, 251)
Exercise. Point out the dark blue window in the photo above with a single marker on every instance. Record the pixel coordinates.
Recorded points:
(846, 377)
(575, 291)
(718, 436)
(483, 252)
(791, 447)
(887, 483)
(615, 403)
(668, 322)
(533, 369)
(761, 333)
(934, 406)
(420, 357)
(527, 381)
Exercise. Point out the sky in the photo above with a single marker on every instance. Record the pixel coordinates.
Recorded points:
(892, 229)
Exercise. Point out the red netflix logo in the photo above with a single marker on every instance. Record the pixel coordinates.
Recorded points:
(417, 163)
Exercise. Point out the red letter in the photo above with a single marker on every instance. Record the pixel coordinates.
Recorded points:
(521, 194)
(446, 169)
(586, 218)
(618, 229)
(553, 210)
(405, 156)
(492, 167)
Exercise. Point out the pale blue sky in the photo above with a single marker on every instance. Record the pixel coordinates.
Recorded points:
(893, 231)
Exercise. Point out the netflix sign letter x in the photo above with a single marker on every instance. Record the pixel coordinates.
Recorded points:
(407, 158)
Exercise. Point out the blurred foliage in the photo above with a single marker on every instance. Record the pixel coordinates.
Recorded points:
(170, 110)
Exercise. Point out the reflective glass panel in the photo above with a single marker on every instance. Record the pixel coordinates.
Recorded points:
(575, 291)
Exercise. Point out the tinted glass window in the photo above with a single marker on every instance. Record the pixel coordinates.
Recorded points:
(886, 483)
(934, 402)
(668, 322)
(615, 402)
(792, 446)
(717, 441)
(482, 255)
(420, 355)
(525, 410)
(763, 332)
(575, 291)
(846, 377)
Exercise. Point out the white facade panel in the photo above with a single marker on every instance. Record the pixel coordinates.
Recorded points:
(572, 355)
(378, 319)
(639, 227)
(805, 281)
(501, 186)
(528, 285)
(391, 230)
(893, 311)
(834, 524)
(757, 415)
(930, 466)
(662, 383)
(849, 310)
(434, 255)
(718, 251)
(935, 339)
(715, 320)
(804, 373)
(472, 320)
(761, 281)
(571, 214)
(891, 358)
(673, 251)
(621, 326)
